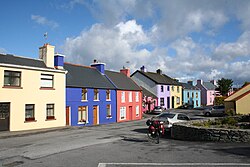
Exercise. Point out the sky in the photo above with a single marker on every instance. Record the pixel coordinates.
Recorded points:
(186, 39)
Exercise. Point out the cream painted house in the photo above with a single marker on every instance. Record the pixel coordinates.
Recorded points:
(32, 91)
(176, 95)
(239, 101)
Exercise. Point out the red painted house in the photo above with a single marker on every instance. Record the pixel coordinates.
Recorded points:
(129, 95)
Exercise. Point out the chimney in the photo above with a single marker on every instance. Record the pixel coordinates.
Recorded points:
(99, 66)
(125, 71)
(143, 69)
(59, 61)
(190, 83)
(46, 53)
(199, 82)
(159, 71)
(213, 82)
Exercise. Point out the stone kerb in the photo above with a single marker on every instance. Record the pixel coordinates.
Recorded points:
(189, 132)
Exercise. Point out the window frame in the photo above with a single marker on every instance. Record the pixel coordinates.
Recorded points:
(81, 120)
(108, 95)
(123, 110)
(84, 94)
(162, 101)
(130, 97)
(50, 116)
(30, 119)
(11, 78)
(162, 88)
(123, 97)
(108, 111)
(96, 94)
(136, 96)
(137, 111)
(42, 85)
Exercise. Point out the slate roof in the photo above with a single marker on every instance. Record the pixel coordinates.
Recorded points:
(86, 77)
(189, 87)
(159, 78)
(209, 85)
(16, 60)
(121, 81)
(147, 93)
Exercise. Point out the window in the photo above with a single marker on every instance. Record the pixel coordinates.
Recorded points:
(123, 97)
(172, 88)
(108, 114)
(178, 100)
(47, 81)
(122, 113)
(50, 111)
(107, 94)
(178, 89)
(137, 96)
(96, 94)
(84, 94)
(168, 88)
(188, 94)
(82, 114)
(192, 94)
(162, 88)
(210, 93)
(29, 112)
(210, 100)
(12, 78)
(162, 101)
(137, 111)
(130, 97)
(197, 103)
(196, 95)
(182, 117)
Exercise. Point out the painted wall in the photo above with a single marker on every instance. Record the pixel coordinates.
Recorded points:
(30, 93)
(164, 94)
(203, 94)
(194, 98)
(210, 97)
(176, 93)
(242, 105)
(148, 104)
(129, 115)
(73, 100)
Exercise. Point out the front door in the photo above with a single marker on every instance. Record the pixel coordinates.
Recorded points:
(95, 109)
(172, 101)
(168, 102)
(130, 113)
(67, 115)
(4, 116)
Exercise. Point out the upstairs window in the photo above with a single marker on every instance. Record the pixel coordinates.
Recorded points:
(172, 88)
(188, 95)
(96, 94)
(196, 95)
(123, 97)
(12, 78)
(137, 96)
(168, 88)
(178, 89)
(162, 88)
(84, 94)
(107, 94)
(130, 97)
(47, 81)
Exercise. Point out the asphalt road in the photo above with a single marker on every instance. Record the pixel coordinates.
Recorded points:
(119, 144)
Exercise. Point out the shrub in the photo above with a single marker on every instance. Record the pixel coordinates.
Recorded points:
(230, 112)
(219, 100)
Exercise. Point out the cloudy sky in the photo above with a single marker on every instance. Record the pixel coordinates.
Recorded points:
(187, 39)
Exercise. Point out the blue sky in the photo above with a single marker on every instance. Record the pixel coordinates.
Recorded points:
(188, 40)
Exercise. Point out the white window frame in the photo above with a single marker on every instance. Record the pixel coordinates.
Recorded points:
(130, 97)
(123, 113)
(137, 96)
(137, 111)
(86, 94)
(86, 115)
(47, 81)
(97, 95)
(108, 115)
(123, 97)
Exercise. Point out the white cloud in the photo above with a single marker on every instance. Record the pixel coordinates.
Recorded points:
(44, 21)
(2, 50)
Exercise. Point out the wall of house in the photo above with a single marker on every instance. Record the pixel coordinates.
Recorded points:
(129, 115)
(165, 94)
(148, 104)
(73, 100)
(30, 93)
(190, 99)
(229, 105)
(210, 97)
(175, 93)
(203, 94)
(242, 105)
(145, 82)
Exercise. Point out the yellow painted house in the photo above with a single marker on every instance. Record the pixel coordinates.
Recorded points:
(32, 91)
(239, 101)
(176, 95)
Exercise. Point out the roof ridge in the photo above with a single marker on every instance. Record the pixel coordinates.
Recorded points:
(7, 54)
(79, 65)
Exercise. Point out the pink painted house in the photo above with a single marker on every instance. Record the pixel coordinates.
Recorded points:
(129, 95)
(208, 92)
(149, 100)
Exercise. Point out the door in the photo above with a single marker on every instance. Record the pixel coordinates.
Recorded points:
(172, 101)
(4, 116)
(168, 102)
(95, 109)
(67, 115)
(130, 113)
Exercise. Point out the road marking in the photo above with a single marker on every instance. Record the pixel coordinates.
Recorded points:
(174, 164)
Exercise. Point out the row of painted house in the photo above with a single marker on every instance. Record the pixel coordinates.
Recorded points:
(33, 93)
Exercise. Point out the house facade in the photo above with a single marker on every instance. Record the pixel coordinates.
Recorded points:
(129, 95)
(239, 101)
(167, 90)
(90, 96)
(207, 92)
(32, 91)
(149, 100)
(191, 95)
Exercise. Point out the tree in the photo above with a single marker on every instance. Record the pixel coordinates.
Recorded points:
(225, 85)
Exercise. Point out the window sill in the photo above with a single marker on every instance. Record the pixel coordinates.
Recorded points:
(84, 100)
(12, 87)
(96, 100)
(47, 88)
(108, 99)
(83, 123)
(30, 121)
(108, 117)
(52, 119)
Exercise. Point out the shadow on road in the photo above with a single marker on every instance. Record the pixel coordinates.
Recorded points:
(242, 151)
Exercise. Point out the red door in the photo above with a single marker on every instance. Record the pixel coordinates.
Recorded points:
(130, 113)
(67, 115)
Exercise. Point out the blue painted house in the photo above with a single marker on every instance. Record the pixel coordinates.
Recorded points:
(191, 94)
(90, 95)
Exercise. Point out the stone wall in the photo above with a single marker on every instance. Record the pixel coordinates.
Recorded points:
(186, 131)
